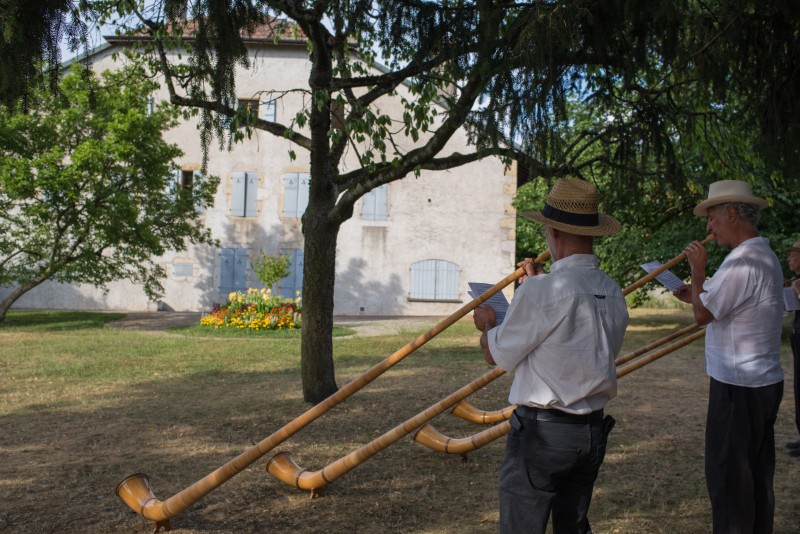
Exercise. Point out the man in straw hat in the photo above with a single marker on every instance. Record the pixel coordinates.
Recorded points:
(743, 307)
(560, 336)
(794, 264)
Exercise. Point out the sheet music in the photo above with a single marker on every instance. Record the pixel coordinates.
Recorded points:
(667, 278)
(790, 300)
(498, 301)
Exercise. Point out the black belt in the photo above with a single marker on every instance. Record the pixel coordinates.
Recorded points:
(557, 416)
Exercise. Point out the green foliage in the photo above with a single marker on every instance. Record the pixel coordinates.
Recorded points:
(87, 193)
(270, 269)
(31, 35)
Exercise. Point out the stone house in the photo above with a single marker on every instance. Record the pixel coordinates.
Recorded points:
(410, 248)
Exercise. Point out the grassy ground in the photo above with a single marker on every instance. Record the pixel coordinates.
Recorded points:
(82, 406)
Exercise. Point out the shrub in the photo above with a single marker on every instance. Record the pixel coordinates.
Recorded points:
(270, 269)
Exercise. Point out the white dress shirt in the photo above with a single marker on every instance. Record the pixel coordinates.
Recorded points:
(561, 335)
(745, 295)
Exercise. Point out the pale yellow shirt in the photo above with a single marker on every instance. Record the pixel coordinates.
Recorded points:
(561, 335)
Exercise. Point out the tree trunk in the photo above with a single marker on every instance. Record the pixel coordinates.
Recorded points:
(320, 231)
(12, 297)
(319, 274)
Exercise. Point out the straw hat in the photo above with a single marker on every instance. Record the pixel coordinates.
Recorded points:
(795, 247)
(572, 207)
(729, 191)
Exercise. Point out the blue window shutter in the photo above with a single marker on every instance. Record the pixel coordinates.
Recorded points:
(423, 277)
(172, 183)
(299, 263)
(294, 281)
(446, 280)
(251, 194)
(240, 269)
(374, 205)
(227, 122)
(226, 262)
(199, 179)
(238, 196)
(381, 202)
(290, 185)
(368, 206)
(304, 180)
(268, 110)
(434, 280)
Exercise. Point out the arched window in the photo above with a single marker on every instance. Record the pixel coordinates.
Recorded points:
(435, 280)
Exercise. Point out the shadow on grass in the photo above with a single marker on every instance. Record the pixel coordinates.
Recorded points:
(54, 321)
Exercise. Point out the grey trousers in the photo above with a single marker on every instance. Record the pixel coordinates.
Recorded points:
(550, 467)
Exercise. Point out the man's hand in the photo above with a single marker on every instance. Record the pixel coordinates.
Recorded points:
(698, 257)
(684, 293)
(531, 269)
(484, 318)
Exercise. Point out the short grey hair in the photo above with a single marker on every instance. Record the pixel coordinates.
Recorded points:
(748, 212)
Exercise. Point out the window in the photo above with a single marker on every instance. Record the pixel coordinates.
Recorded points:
(187, 179)
(151, 105)
(434, 280)
(233, 264)
(184, 180)
(268, 110)
(294, 282)
(180, 270)
(295, 193)
(248, 107)
(245, 191)
(374, 205)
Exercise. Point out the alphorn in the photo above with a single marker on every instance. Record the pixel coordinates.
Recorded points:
(135, 491)
(474, 415)
(433, 439)
(470, 413)
(284, 468)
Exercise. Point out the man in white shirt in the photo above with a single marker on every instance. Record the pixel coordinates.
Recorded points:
(743, 307)
(794, 265)
(560, 336)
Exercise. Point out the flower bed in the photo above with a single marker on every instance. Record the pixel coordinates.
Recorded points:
(255, 310)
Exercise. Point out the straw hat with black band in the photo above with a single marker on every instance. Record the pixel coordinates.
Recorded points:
(572, 207)
(794, 248)
(725, 191)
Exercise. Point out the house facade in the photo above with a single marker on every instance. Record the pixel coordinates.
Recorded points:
(410, 247)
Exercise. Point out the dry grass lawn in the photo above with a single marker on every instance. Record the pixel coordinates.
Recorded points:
(80, 408)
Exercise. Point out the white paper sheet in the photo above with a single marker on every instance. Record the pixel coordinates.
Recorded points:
(498, 301)
(667, 278)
